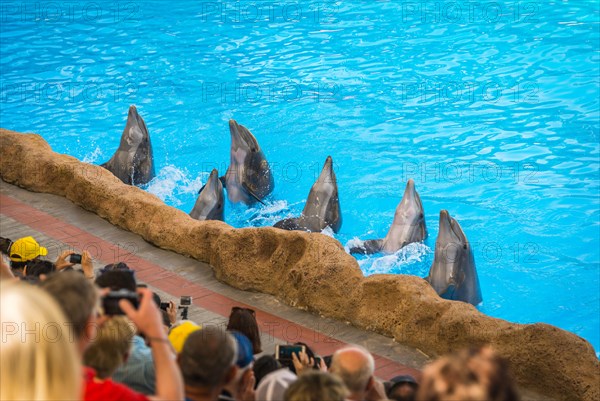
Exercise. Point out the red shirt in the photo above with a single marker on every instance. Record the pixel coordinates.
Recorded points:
(107, 390)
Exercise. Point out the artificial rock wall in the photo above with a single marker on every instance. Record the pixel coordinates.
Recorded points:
(310, 271)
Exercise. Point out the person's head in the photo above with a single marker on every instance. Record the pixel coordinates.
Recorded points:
(116, 266)
(355, 366)
(78, 300)
(180, 332)
(207, 360)
(263, 366)
(316, 386)
(23, 251)
(111, 346)
(274, 385)
(5, 244)
(244, 321)
(469, 375)
(117, 280)
(37, 267)
(244, 360)
(402, 388)
(36, 345)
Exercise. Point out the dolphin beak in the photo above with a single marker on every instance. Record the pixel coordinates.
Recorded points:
(327, 173)
(236, 138)
(135, 117)
(410, 192)
(213, 179)
(445, 229)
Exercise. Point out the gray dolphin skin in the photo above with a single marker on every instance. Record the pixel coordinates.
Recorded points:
(210, 203)
(452, 274)
(133, 162)
(249, 178)
(407, 227)
(322, 207)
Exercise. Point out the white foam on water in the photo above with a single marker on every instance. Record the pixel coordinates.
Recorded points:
(94, 156)
(170, 182)
(328, 231)
(354, 243)
(268, 214)
(396, 263)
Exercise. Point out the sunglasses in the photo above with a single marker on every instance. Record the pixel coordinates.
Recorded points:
(236, 309)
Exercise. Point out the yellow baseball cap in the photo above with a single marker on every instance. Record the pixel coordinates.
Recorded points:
(25, 249)
(180, 333)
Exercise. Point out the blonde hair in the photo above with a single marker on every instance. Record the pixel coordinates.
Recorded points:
(39, 354)
(468, 375)
(110, 347)
(316, 386)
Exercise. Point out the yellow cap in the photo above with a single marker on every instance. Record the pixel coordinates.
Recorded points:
(25, 249)
(180, 333)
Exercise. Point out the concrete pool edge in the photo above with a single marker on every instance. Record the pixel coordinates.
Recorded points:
(310, 271)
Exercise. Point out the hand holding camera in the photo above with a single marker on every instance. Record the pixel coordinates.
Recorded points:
(146, 317)
(62, 263)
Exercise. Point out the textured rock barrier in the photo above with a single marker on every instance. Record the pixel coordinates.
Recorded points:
(310, 271)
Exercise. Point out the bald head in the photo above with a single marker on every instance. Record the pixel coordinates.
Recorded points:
(355, 366)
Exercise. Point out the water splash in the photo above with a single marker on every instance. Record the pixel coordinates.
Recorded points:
(172, 182)
(265, 215)
(94, 156)
(402, 262)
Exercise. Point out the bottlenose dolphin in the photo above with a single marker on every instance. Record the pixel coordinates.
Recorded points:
(249, 178)
(322, 207)
(453, 274)
(133, 162)
(408, 225)
(210, 202)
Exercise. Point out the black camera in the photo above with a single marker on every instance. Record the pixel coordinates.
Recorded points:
(164, 306)
(184, 303)
(75, 258)
(110, 302)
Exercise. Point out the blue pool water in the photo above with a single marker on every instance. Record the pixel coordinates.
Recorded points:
(492, 108)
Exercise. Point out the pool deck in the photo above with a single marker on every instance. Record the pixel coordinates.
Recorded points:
(58, 224)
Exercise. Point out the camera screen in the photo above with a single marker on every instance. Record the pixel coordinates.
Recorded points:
(186, 300)
(286, 351)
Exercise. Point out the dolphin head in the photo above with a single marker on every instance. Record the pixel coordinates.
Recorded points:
(322, 207)
(448, 251)
(327, 174)
(453, 274)
(242, 138)
(135, 132)
(249, 178)
(210, 202)
(409, 221)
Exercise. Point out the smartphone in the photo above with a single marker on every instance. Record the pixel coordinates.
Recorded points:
(75, 258)
(186, 300)
(317, 362)
(110, 302)
(284, 352)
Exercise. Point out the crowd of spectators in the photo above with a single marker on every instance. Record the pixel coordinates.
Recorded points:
(77, 335)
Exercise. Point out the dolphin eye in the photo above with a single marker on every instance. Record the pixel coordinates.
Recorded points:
(421, 215)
